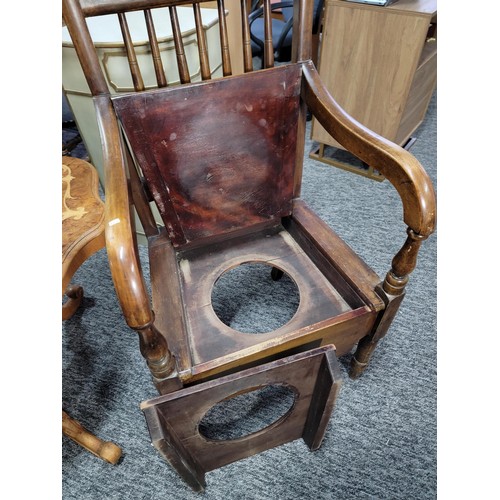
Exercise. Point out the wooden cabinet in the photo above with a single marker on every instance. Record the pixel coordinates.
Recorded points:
(379, 64)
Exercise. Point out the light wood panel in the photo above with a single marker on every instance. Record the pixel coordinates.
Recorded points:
(234, 33)
(374, 64)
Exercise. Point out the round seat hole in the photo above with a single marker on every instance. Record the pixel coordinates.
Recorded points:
(255, 298)
(247, 413)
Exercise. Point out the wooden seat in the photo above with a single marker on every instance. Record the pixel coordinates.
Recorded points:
(82, 236)
(221, 159)
(203, 346)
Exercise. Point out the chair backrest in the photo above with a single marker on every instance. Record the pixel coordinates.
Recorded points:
(75, 13)
(216, 156)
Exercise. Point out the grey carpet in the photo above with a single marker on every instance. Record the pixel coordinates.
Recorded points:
(381, 440)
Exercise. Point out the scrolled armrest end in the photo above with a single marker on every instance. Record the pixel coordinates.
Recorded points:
(396, 164)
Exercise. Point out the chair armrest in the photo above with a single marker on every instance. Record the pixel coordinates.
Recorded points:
(120, 239)
(397, 165)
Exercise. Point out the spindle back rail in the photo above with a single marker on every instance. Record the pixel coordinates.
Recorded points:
(90, 8)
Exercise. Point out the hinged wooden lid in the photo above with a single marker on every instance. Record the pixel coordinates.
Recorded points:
(218, 156)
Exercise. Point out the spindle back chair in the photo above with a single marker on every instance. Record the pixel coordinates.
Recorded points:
(222, 161)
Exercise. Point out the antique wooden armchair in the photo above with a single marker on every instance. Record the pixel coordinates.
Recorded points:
(222, 161)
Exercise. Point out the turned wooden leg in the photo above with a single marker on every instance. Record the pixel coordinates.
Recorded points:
(276, 274)
(367, 344)
(75, 296)
(362, 356)
(392, 292)
(106, 450)
(159, 359)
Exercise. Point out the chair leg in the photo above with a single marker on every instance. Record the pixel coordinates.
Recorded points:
(367, 345)
(105, 450)
(160, 360)
(362, 356)
(276, 274)
(75, 296)
(392, 292)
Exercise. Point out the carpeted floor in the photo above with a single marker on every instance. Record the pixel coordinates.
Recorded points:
(381, 440)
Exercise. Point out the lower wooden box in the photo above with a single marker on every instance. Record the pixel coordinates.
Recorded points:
(178, 425)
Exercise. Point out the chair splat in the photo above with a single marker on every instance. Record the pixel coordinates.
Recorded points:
(218, 165)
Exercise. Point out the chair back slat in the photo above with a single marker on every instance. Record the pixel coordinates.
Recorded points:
(132, 59)
(268, 36)
(224, 40)
(247, 44)
(202, 43)
(179, 47)
(161, 79)
(78, 10)
(302, 39)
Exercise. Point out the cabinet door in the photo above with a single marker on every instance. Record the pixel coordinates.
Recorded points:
(368, 60)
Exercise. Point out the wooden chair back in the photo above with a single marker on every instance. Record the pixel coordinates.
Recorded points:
(217, 156)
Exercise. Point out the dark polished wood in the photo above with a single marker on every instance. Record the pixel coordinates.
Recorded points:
(228, 163)
(398, 165)
(222, 160)
(268, 36)
(132, 58)
(174, 419)
(224, 41)
(192, 138)
(161, 79)
(202, 43)
(247, 44)
(179, 46)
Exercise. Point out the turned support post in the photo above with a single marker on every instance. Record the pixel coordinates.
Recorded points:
(392, 291)
(160, 361)
(403, 264)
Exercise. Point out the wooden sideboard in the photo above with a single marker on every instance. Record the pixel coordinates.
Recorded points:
(379, 64)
